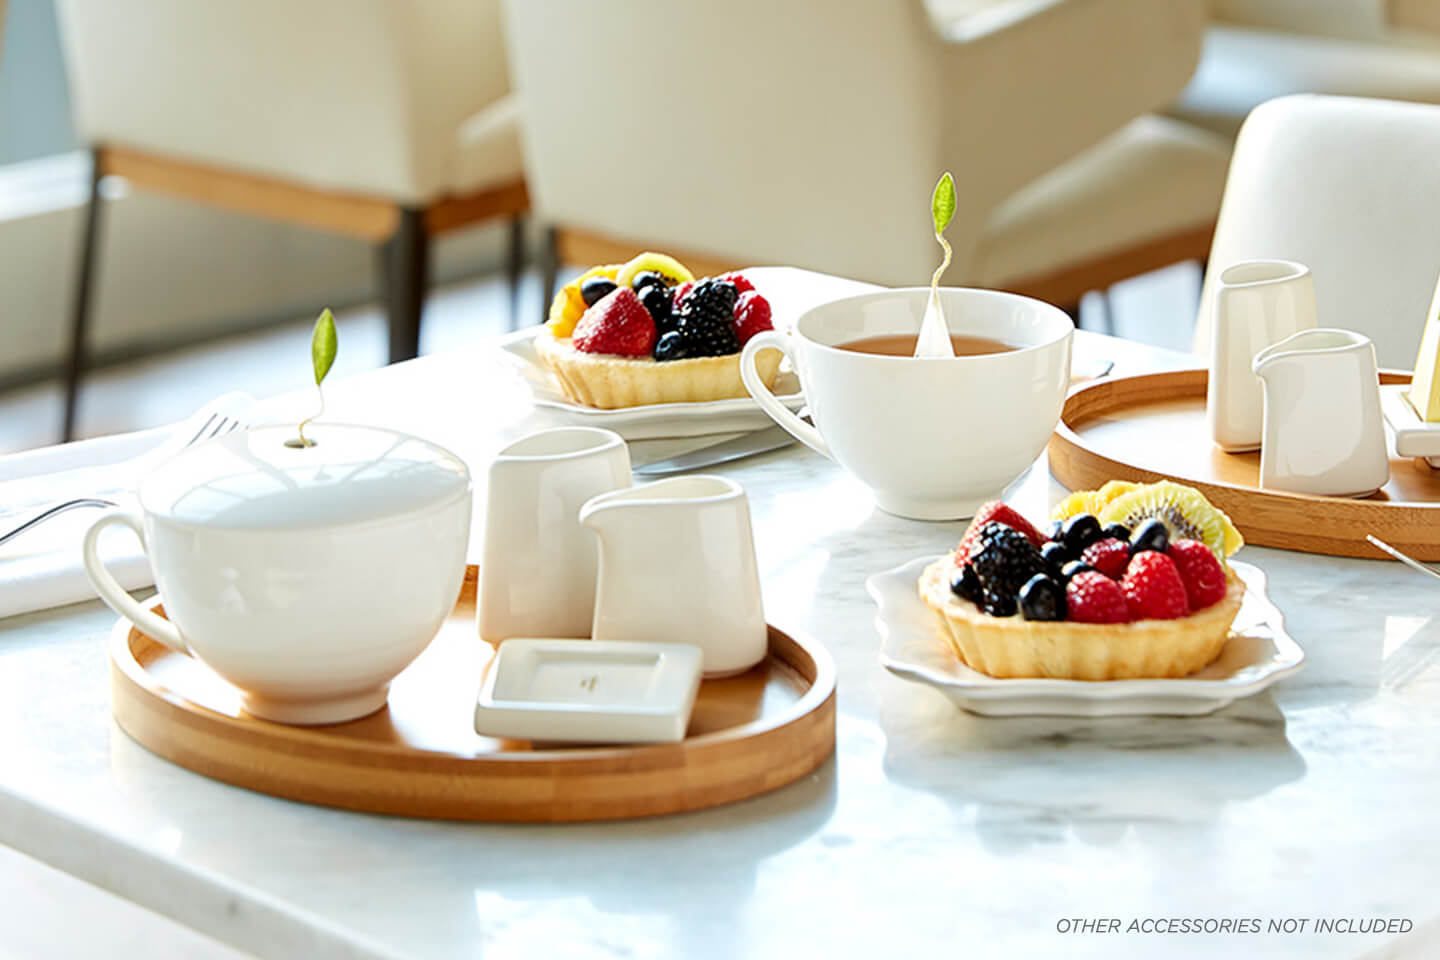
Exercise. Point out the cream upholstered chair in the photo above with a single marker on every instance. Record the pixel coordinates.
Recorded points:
(811, 132)
(387, 120)
(1344, 186)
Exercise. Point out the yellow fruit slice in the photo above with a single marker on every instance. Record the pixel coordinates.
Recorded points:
(1113, 489)
(1184, 511)
(568, 306)
(674, 271)
(1083, 501)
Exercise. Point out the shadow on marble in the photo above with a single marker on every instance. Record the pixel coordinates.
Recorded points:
(1035, 780)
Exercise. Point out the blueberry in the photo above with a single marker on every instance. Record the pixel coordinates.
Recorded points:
(1042, 599)
(1053, 531)
(593, 289)
(1116, 530)
(965, 584)
(1151, 535)
(670, 347)
(1079, 532)
(998, 605)
(648, 278)
(1073, 568)
(1055, 555)
(656, 299)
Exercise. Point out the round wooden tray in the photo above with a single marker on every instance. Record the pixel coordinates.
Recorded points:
(420, 757)
(1152, 427)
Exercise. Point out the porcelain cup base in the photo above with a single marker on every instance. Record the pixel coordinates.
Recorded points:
(313, 712)
(948, 508)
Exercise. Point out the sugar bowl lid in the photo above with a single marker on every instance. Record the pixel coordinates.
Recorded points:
(254, 480)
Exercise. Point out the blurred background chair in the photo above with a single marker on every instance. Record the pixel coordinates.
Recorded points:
(387, 120)
(811, 132)
(1346, 186)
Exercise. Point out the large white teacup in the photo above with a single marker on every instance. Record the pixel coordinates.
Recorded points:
(308, 578)
(932, 437)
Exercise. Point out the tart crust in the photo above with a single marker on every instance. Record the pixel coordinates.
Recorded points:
(1009, 647)
(609, 382)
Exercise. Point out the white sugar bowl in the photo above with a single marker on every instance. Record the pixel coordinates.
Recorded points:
(306, 577)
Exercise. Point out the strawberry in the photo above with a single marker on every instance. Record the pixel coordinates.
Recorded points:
(1201, 572)
(618, 323)
(995, 512)
(1092, 597)
(1109, 556)
(1153, 587)
(742, 282)
(752, 314)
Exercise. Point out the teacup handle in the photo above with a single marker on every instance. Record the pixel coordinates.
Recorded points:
(115, 595)
(797, 428)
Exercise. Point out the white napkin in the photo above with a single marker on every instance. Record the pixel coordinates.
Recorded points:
(41, 568)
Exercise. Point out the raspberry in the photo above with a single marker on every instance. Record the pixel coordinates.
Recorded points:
(618, 324)
(678, 294)
(752, 314)
(1201, 572)
(1092, 597)
(1109, 556)
(1153, 588)
(996, 512)
(1003, 560)
(742, 282)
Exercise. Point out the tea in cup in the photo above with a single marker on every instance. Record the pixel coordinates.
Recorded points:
(933, 437)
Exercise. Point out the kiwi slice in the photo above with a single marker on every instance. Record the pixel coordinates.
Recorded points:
(1184, 511)
(667, 266)
(1091, 501)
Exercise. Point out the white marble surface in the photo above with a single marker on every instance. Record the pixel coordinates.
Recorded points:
(932, 832)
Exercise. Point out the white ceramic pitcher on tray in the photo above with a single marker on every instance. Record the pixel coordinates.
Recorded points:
(677, 565)
(537, 572)
(1323, 431)
(1257, 303)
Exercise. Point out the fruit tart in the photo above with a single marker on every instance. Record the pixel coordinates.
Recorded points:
(647, 332)
(1126, 581)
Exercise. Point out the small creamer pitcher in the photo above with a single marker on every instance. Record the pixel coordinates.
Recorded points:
(1323, 432)
(677, 565)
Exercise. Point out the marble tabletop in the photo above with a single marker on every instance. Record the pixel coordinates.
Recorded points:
(931, 832)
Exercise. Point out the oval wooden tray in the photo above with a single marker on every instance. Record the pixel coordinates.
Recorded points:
(420, 757)
(1152, 427)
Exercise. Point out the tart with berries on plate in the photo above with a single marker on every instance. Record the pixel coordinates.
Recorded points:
(1127, 581)
(647, 331)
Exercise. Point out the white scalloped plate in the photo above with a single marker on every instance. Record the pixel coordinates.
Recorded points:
(1258, 653)
(650, 420)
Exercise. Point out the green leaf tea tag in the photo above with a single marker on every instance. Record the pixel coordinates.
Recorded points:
(942, 203)
(323, 343)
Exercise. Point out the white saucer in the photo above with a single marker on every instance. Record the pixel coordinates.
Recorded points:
(1258, 653)
(651, 420)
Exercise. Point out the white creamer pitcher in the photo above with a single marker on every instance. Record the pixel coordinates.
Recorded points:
(1257, 303)
(677, 565)
(1323, 432)
(537, 574)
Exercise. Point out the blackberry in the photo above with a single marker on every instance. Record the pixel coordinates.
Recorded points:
(999, 604)
(669, 347)
(710, 303)
(708, 339)
(656, 299)
(1004, 559)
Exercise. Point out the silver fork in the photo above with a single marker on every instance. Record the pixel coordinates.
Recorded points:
(217, 425)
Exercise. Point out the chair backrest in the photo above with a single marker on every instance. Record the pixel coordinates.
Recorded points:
(363, 95)
(1346, 186)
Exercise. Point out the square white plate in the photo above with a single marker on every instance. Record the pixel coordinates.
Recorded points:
(589, 691)
(650, 420)
(1258, 653)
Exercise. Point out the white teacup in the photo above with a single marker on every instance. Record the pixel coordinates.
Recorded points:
(308, 578)
(934, 438)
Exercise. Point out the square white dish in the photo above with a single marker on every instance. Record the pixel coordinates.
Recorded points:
(1258, 653)
(589, 691)
(649, 421)
(1413, 436)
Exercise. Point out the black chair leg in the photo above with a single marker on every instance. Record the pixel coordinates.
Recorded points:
(84, 290)
(514, 266)
(407, 256)
(549, 269)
